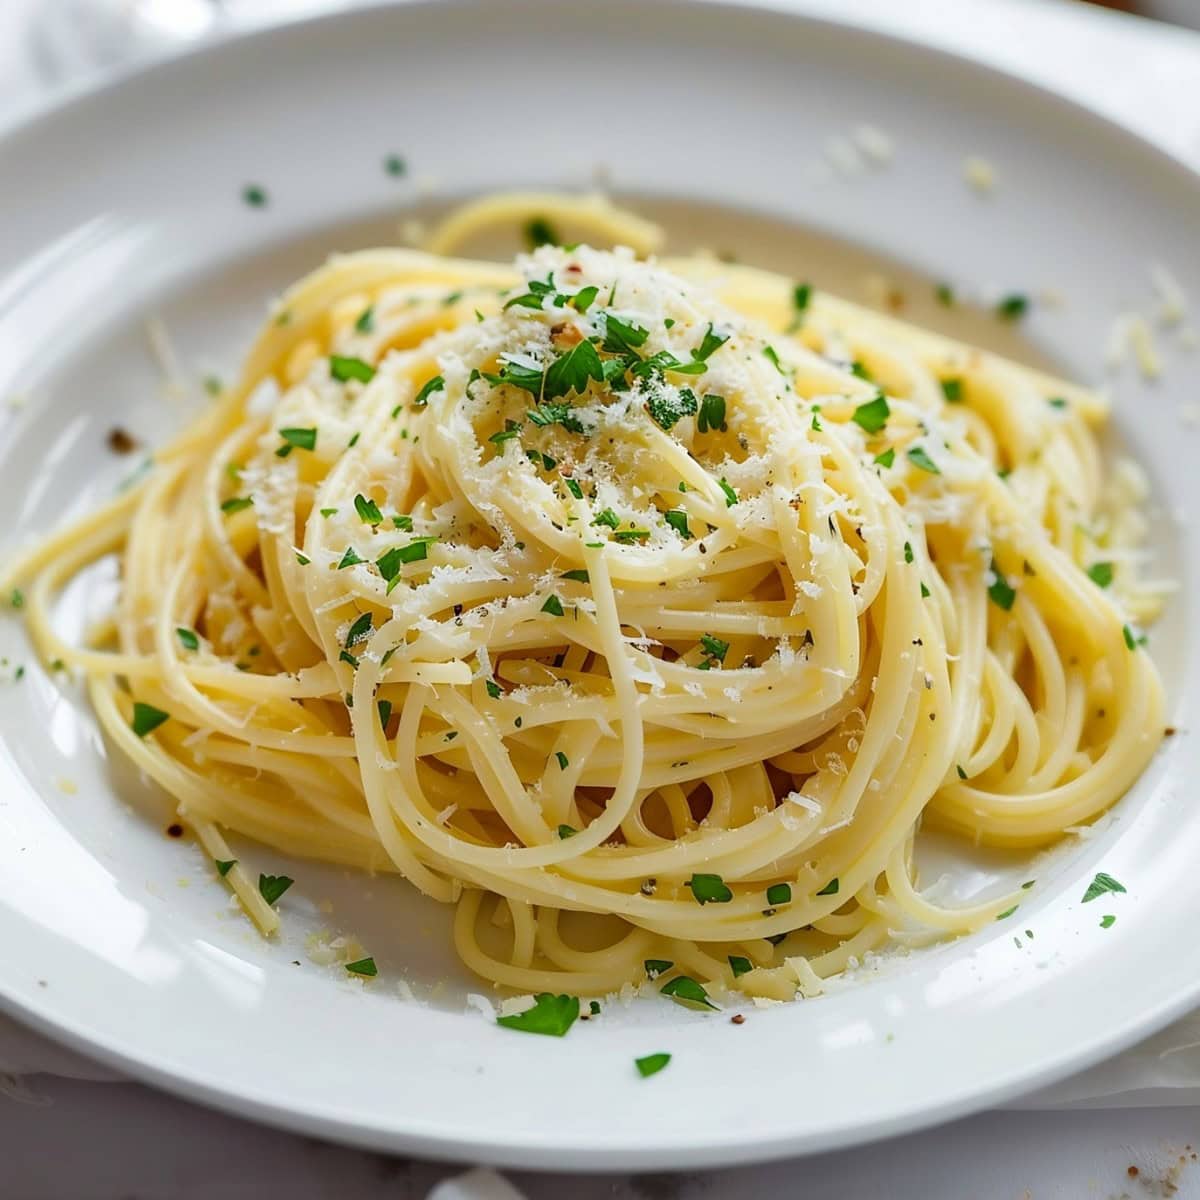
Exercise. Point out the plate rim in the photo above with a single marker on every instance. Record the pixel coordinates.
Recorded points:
(544, 1155)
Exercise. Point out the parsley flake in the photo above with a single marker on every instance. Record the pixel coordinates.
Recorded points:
(712, 414)
(1101, 884)
(436, 384)
(1000, 593)
(550, 1015)
(539, 232)
(651, 1064)
(686, 990)
(368, 510)
(271, 887)
(187, 638)
(146, 718)
(873, 415)
(343, 369)
(709, 889)
(1012, 307)
(920, 459)
(364, 966)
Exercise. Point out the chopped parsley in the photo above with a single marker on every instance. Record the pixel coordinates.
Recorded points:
(908, 552)
(573, 487)
(1056, 401)
(945, 295)
(1101, 574)
(539, 232)
(709, 344)
(859, 369)
(740, 966)
(254, 196)
(709, 889)
(1131, 639)
(622, 337)
(364, 966)
(566, 831)
(1001, 593)
(1012, 307)
(394, 165)
(779, 893)
(920, 459)
(236, 503)
(1101, 884)
(651, 1064)
(367, 510)
(493, 689)
(685, 990)
(563, 761)
(524, 375)
(731, 497)
(557, 414)
(887, 457)
(187, 638)
(146, 718)
(343, 369)
(349, 559)
(772, 356)
(572, 371)
(712, 414)
(579, 575)
(511, 430)
(224, 865)
(714, 648)
(667, 408)
(801, 295)
(831, 888)
(1107, 921)
(607, 517)
(657, 966)
(952, 389)
(550, 1015)
(677, 518)
(390, 562)
(366, 320)
(271, 887)
(873, 415)
(1008, 912)
(359, 631)
(553, 606)
(436, 384)
(384, 708)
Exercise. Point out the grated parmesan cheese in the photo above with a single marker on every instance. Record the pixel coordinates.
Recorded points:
(979, 174)
(875, 145)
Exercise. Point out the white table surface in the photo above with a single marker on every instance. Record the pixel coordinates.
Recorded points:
(65, 1138)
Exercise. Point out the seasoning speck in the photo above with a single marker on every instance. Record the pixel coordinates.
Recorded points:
(120, 441)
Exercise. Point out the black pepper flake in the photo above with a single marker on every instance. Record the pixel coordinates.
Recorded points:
(175, 830)
(120, 441)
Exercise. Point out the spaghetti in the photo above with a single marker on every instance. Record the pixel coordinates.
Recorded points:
(645, 611)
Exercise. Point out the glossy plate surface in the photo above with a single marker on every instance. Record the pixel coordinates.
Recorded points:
(128, 202)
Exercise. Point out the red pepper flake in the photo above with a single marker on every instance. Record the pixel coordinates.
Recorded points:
(737, 1019)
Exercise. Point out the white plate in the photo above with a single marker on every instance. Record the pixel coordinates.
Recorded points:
(128, 201)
